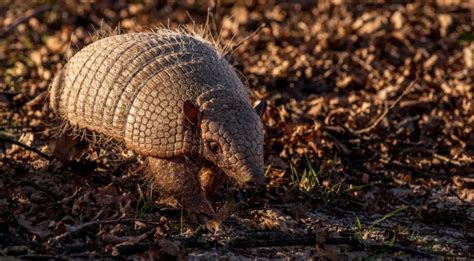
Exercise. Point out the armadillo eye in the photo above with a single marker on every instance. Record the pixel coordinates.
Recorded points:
(214, 147)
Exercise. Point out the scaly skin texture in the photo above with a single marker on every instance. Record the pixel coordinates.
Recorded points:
(170, 96)
(131, 87)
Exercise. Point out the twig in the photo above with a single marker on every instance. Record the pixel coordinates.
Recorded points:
(253, 239)
(76, 231)
(382, 116)
(40, 98)
(448, 160)
(420, 173)
(405, 249)
(274, 238)
(130, 249)
(459, 197)
(29, 14)
(44, 155)
(212, 15)
(81, 256)
(235, 47)
(42, 257)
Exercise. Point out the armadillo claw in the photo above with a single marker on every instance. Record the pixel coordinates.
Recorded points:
(198, 207)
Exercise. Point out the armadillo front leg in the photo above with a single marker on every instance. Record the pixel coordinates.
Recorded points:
(177, 178)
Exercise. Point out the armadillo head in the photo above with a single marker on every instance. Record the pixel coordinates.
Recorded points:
(231, 136)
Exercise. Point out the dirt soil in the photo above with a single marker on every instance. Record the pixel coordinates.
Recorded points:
(369, 142)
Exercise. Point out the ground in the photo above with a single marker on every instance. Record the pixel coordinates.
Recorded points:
(369, 143)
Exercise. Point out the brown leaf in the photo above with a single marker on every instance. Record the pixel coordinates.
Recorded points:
(274, 220)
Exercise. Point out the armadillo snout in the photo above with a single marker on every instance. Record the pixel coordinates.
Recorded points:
(248, 171)
(255, 176)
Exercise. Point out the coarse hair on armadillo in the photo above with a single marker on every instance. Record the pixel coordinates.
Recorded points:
(201, 32)
(95, 139)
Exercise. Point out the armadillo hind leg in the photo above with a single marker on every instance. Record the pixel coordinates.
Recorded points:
(176, 179)
(211, 179)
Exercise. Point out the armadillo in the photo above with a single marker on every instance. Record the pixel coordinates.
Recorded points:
(172, 97)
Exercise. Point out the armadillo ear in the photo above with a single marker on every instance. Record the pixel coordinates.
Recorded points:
(260, 107)
(191, 112)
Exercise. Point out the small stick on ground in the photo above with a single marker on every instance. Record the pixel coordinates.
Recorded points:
(382, 116)
(278, 239)
(26, 147)
(448, 160)
(39, 99)
(235, 47)
(81, 229)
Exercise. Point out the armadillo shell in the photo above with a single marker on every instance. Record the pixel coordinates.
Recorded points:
(131, 87)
